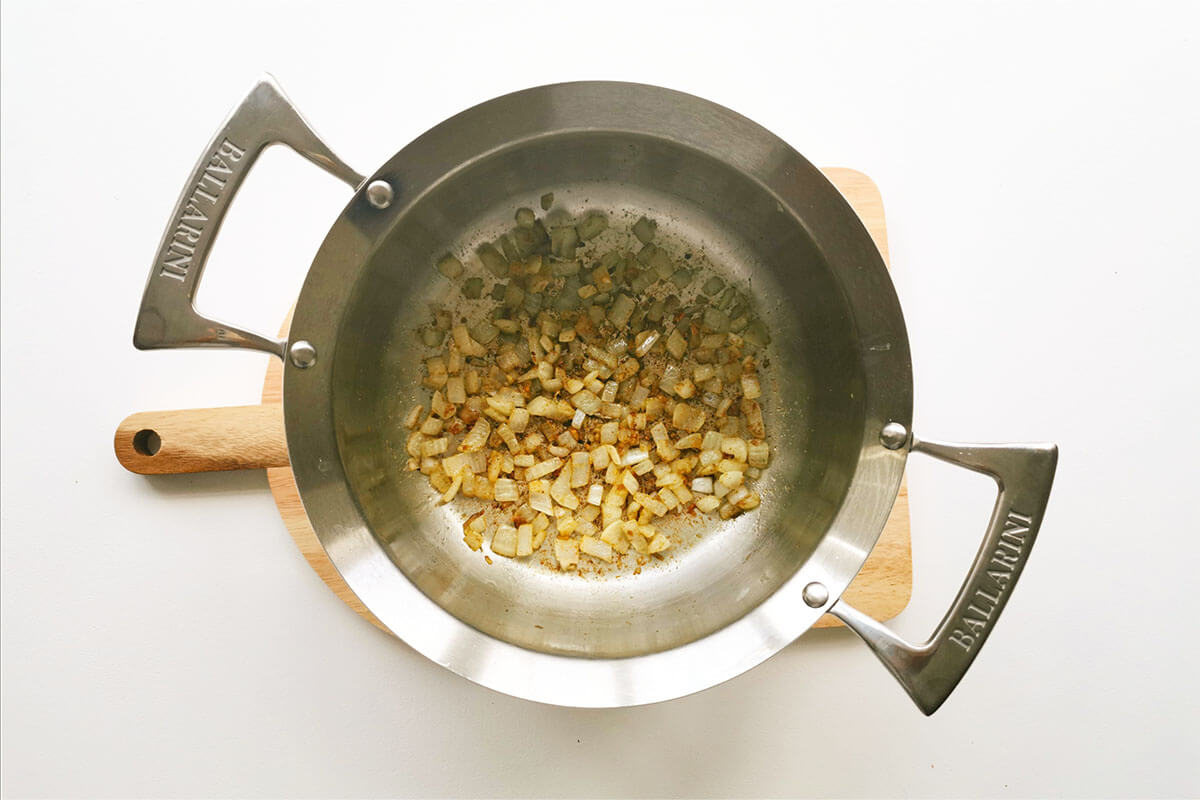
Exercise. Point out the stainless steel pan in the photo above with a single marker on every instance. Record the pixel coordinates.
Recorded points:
(839, 406)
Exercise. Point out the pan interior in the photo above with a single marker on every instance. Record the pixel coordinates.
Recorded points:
(813, 394)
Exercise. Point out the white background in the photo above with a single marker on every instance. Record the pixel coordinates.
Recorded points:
(1039, 167)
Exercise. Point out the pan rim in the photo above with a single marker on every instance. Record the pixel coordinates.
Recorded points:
(572, 680)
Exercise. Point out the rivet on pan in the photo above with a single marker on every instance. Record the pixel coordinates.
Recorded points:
(894, 436)
(303, 354)
(816, 595)
(379, 194)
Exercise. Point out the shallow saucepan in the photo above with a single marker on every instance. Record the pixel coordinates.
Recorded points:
(839, 402)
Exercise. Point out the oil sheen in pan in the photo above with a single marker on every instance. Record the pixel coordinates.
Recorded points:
(719, 255)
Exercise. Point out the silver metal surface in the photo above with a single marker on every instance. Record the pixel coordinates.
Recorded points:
(168, 317)
(816, 595)
(894, 436)
(303, 354)
(761, 214)
(930, 671)
(379, 194)
(766, 219)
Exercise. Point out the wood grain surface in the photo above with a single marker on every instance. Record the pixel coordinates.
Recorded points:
(201, 440)
(252, 437)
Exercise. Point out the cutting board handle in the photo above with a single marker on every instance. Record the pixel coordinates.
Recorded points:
(202, 440)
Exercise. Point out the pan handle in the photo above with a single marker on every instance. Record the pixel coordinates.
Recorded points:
(168, 317)
(930, 671)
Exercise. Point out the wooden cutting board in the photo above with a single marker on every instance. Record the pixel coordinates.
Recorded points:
(252, 437)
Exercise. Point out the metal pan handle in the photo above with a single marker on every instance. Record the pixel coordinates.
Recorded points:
(168, 317)
(929, 672)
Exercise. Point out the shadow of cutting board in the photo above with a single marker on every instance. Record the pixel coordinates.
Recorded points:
(882, 588)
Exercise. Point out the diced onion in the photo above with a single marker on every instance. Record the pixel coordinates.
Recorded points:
(644, 229)
(676, 344)
(591, 226)
(731, 479)
(506, 490)
(566, 552)
(596, 548)
(525, 540)
(450, 266)
(504, 541)
(584, 381)
(620, 311)
(642, 467)
(581, 469)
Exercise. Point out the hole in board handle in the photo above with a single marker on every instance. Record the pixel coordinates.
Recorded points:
(147, 442)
